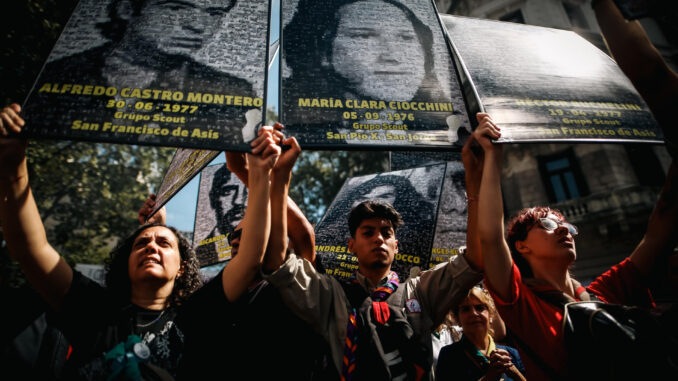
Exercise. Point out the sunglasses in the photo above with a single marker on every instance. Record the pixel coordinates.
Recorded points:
(478, 307)
(550, 224)
(233, 235)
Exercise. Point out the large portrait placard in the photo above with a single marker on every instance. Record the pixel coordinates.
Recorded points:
(369, 73)
(452, 215)
(543, 84)
(414, 193)
(185, 165)
(187, 73)
(222, 200)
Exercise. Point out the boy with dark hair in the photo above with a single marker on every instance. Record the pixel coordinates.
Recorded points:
(376, 327)
(373, 209)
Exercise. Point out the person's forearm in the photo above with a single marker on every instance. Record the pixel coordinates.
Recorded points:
(497, 260)
(473, 247)
(22, 225)
(490, 203)
(255, 233)
(662, 228)
(300, 232)
(639, 60)
(277, 245)
(27, 241)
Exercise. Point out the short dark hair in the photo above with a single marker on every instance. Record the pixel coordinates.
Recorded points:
(117, 269)
(373, 209)
(517, 230)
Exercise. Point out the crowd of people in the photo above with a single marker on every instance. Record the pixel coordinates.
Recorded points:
(272, 313)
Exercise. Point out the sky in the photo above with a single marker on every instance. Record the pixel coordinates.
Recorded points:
(181, 208)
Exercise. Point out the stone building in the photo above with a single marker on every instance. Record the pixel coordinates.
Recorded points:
(606, 190)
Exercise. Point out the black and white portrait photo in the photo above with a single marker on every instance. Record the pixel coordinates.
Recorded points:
(414, 193)
(222, 199)
(172, 72)
(385, 63)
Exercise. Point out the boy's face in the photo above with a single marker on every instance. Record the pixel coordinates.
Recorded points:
(374, 243)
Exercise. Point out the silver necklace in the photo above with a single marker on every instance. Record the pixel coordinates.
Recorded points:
(152, 322)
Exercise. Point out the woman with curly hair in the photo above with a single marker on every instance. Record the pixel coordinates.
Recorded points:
(135, 326)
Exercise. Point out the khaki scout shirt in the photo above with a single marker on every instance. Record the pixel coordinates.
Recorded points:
(319, 299)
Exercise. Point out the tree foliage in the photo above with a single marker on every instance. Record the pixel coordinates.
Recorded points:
(88, 194)
(318, 176)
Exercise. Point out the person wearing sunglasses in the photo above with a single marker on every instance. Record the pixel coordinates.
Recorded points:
(476, 355)
(527, 271)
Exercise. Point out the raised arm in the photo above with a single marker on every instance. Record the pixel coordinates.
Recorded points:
(22, 226)
(662, 229)
(473, 158)
(257, 221)
(299, 229)
(280, 183)
(497, 260)
(641, 62)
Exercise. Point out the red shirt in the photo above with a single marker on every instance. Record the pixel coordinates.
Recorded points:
(539, 323)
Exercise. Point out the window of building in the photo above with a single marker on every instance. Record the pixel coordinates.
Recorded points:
(562, 176)
(515, 16)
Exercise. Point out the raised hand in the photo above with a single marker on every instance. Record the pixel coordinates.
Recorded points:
(288, 157)
(12, 151)
(265, 150)
(236, 162)
(486, 131)
(10, 121)
(147, 208)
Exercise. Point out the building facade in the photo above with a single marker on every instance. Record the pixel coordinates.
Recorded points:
(606, 190)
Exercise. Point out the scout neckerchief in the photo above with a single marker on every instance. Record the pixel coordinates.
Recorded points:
(380, 312)
(476, 356)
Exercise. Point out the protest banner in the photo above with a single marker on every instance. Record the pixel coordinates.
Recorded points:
(542, 84)
(187, 74)
(222, 199)
(414, 193)
(369, 75)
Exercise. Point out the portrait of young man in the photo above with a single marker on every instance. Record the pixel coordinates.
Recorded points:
(222, 199)
(145, 65)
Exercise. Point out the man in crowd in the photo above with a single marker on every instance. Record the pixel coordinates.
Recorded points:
(375, 326)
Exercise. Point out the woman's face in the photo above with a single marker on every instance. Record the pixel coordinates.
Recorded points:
(385, 63)
(474, 315)
(155, 256)
(386, 193)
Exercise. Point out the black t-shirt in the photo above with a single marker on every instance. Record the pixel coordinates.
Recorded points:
(257, 336)
(204, 337)
(94, 325)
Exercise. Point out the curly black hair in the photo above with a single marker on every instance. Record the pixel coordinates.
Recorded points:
(117, 272)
